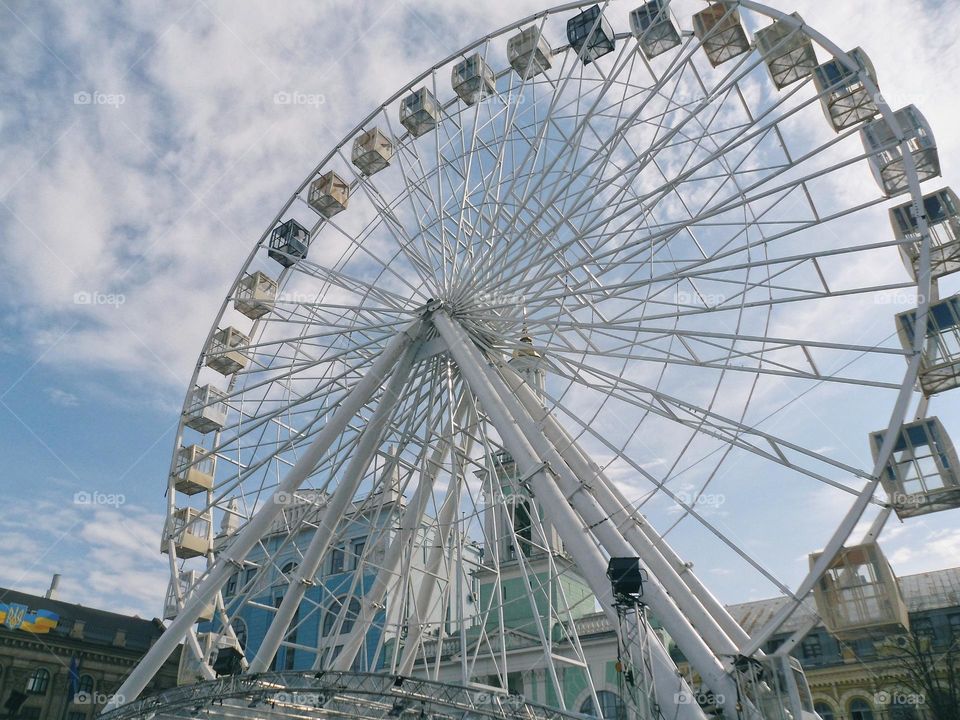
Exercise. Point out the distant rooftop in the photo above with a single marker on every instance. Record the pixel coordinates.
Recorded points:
(921, 592)
(100, 627)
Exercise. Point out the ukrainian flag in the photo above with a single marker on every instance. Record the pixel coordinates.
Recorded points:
(38, 623)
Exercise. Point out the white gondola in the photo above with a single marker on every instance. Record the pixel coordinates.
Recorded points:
(224, 354)
(419, 112)
(845, 99)
(255, 295)
(590, 34)
(942, 209)
(194, 470)
(940, 367)
(886, 159)
(529, 53)
(787, 52)
(186, 581)
(372, 152)
(289, 243)
(921, 476)
(207, 410)
(719, 30)
(190, 531)
(473, 79)
(859, 594)
(329, 194)
(651, 25)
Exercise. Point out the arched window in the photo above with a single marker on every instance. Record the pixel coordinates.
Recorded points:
(38, 682)
(289, 568)
(824, 711)
(611, 706)
(85, 685)
(860, 710)
(333, 610)
(240, 630)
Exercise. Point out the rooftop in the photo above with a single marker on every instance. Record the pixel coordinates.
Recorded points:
(100, 627)
(921, 592)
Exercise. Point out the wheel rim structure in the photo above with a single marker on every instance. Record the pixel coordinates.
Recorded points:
(633, 269)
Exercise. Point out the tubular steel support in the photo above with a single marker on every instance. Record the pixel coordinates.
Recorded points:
(720, 631)
(248, 536)
(582, 549)
(333, 513)
(410, 525)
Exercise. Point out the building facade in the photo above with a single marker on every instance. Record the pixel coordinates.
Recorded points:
(866, 678)
(61, 661)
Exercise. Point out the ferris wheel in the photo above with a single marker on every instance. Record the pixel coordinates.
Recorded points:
(544, 311)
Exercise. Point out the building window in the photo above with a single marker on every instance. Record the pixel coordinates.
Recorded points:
(333, 610)
(358, 546)
(824, 711)
(231, 586)
(611, 706)
(903, 711)
(240, 630)
(812, 650)
(923, 628)
(336, 560)
(38, 682)
(248, 575)
(955, 626)
(860, 710)
(85, 685)
(288, 568)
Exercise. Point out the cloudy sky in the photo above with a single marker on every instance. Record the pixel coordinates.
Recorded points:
(144, 153)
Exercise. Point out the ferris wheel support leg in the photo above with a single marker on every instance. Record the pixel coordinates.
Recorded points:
(445, 522)
(584, 552)
(370, 438)
(248, 536)
(409, 526)
(717, 627)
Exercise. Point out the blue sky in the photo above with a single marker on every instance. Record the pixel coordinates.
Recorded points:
(144, 153)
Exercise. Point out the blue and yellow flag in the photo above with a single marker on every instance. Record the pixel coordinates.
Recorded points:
(18, 617)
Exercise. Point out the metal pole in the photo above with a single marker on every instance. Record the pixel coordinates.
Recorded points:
(410, 526)
(584, 552)
(248, 536)
(445, 522)
(333, 513)
(709, 617)
(583, 499)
